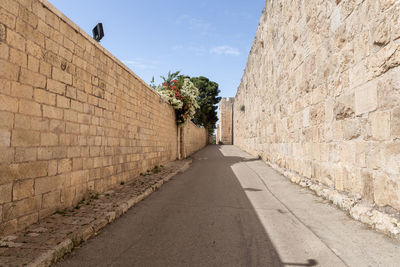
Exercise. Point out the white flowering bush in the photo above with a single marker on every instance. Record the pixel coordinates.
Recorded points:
(181, 93)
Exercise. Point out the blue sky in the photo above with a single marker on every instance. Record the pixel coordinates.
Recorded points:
(209, 38)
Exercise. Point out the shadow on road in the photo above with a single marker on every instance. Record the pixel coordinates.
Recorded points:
(201, 218)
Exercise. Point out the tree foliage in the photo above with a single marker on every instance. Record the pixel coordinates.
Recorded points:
(181, 94)
(208, 99)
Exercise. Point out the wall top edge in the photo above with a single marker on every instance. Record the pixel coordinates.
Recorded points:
(59, 14)
(228, 99)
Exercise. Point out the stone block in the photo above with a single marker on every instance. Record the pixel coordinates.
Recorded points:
(57, 126)
(67, 196)
(64, 165)
(8, 173)
(48, 139)
(8, 19)
(72, 128)
(45, 69)
(23, 189)
(20, 208)
(71, 115)
(20, 90)
(8, 227)
(344, 107)
(395, 26)
(374, 157)
(56, 87)
(71, 92)
(52, 46)
(32, 78)
(52, 170)
(33, 64)
(49, 184)
(76, 105)
(4, 50)
(22, 122)
(18, 58)
(386, 58)
(44, 97)
(380, 125)
(5, 137)
(361, 148)
(63, 102)
(368, 185)
(351, 129)
(79, 177)
(395, 122)
(392, 158)
(30, 108)
(51, 200)
(61, 76)
(15, 40)
(32, 169)
(77, 164)
(5, 193)
(27, 220)
(9, 71)
(387, 190)
(23, 154)
(25, 138)
(381, 31)
(6, 119)
(52, 112)
(366, 98)
(40, 124)
(7, 155)
(34, 50)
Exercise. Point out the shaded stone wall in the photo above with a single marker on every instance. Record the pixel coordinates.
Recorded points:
(73, 118)
(194, 139)
(321, 94)
(224, 132)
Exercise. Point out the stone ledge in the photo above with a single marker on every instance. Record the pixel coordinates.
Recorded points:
(46, 242)
(354, 206)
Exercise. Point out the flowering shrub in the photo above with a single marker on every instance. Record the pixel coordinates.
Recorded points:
(181, 93)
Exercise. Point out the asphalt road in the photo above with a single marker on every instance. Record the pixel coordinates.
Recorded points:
(228, 209)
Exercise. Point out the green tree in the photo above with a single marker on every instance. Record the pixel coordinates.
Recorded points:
(208, 99)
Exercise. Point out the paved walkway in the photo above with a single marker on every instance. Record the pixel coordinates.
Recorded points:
(228, 209)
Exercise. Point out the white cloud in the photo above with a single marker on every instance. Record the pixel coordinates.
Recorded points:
(142, 64)
(197, 50)
(225, 50)
(194, 24)
(178, 47)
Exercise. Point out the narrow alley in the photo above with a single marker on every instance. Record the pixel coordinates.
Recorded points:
(229, 209)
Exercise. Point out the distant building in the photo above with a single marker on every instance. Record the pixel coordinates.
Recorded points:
(225, 125)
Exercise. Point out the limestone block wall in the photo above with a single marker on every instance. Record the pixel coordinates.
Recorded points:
(73, 118)
(193, 138)
(320, 95)
(225, 121)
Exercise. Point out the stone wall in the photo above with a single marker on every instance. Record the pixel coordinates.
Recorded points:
(193, 138)
(224, 132)
(73, 118)
(320, 95)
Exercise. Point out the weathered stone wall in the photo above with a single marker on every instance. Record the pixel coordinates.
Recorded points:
(224, 132)
(73, 118)
(193, 138)
(321, 94)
